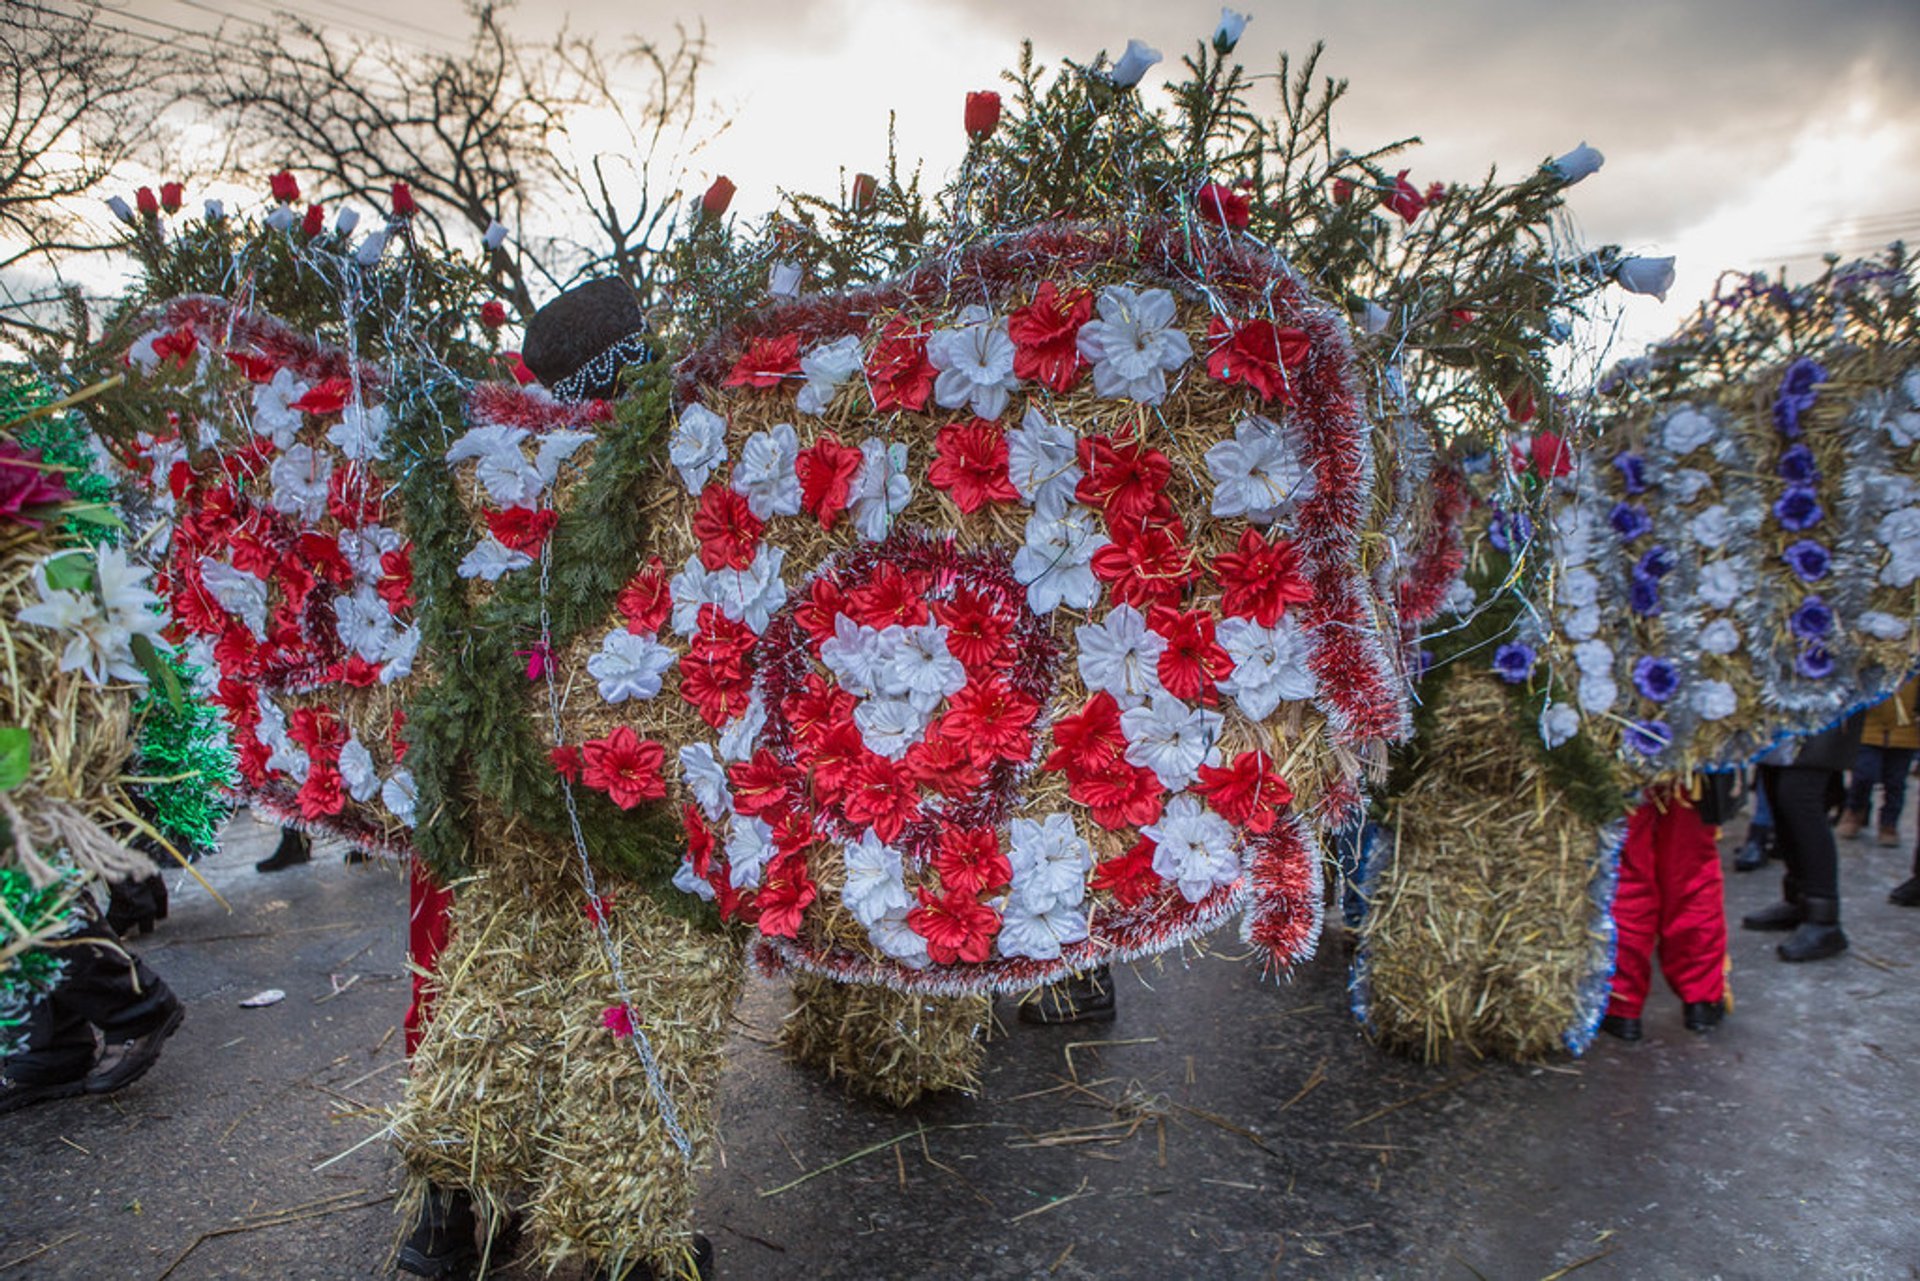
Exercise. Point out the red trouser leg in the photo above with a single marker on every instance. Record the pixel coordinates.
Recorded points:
(1693, 909)
(429, 906)
(1636, 915)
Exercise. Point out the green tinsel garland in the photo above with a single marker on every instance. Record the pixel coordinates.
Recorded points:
(187, 745)
(62, 440)
(45, 911)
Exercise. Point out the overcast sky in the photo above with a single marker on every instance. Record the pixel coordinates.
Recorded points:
(1738, 133)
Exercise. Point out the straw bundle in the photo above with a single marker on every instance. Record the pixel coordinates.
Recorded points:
(896, 1047)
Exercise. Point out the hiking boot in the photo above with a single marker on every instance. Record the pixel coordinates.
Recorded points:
(1086, 997)
(15, 1094)
(122, 1062)
(294, 849)
(1619, 1025)
(1784, 915)
(441, 1245)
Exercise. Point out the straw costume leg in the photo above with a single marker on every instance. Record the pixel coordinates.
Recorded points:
(896, 1047)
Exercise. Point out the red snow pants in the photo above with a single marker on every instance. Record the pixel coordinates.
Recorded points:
(429, 906)
(1671, 893)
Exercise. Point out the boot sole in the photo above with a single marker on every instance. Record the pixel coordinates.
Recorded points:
(140, 1067)
(30, 1095)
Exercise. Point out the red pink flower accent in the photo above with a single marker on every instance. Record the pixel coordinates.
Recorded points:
(403, 202)
(1248, 793)
(815, 708)
(1550, 455)
(1088, 739)
(713, 676)
(719, 196)
(396, 578)
(889, 596)
(1256, 353)
(1120, 794)
(1193, 662)
(1223, 206)
(285, 188)
(617, 1020)
(784, 894)
(625, 766)
(969, 861)
(728, 530)
(826, 470)
(493, 314)
(1405, 198)
(970, 465)
(177, 346)
(837, 752)
(314, 222)
(172, 195)
(567, 762)
(1520, 406)
(647, 599)
(882, 795)
(328, 396)
(941, 763)
(1144, 566)
(993, 719)
(1123, 479)
(767, 362)
(982, 115)
(976, 629)
(1046, 337)
(322, 795)
(258, 369)
(352, 497)
(762, 785)
(898, 370)
(1259, 579)
(957, 927)
(522, 528)
(1130, 877)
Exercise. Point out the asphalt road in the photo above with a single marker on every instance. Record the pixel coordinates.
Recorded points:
(1223, 1127)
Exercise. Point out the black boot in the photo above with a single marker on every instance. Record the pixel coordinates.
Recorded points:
(125, 1059)
(1086, 997)
(1627, 1029)
(1784, 915)
(1704, 1016)
(294, 849)
(1753, 855)
(441, 1244)
(1907, 893)
(1818, 936)
(133, 906)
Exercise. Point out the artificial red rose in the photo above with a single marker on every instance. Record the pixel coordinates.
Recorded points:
(970, 465)
(826, 470)
(1193, 663)
(881, 795)
(23, 486)
(1256, 353)
(763, 784)
(257, 368)
(493, 314)
(940, 762)
(1122, 479)
(889, 596)
(1145, 566)
(898, 371)
(970, 862)
(1405, 198)
(956, 927)
(1520, 406)
(625, 766)
(647, 599)
(1046, 337)
(315, 221)
(328, 396)
(285, 189)
(146, 202)
(1223, 206)
(982, 115)
(177, 346)
(1120, 794)
(785, 891)
(1550, 456)
(1342, 191)
(1088, 739)
(403, 204)
(322, 795)
(1259, 579)
(728, 531)
(1130, 878)
(865, 191)
(719, 196)
(567, 762)
(522, 528)
(993, 719)
(976, 629)
(767, 362)
(396, 579)
(171, 196)
(517, 368)
(1249, 792)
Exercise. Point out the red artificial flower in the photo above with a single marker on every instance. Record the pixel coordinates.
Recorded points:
(942, 763)
(257, 368)
(993, 719)
(403, 205)
(358, 673)
(146, 202)
(881, 795)
(785, 891)
(957, 927)
(493, 314)
(1130, 878)
(177, 346)
(324, 554)
(1145, 566)
(1258, 579)
(618, 1020)
(285, 189)
(970, 464)
(1193, 662)
(518, 368)
(1550, 455)
(25, 487)
(976, 628)
(792, 826)
(889, 597)
(700, 840)
(328, 396)
(172, 196)
(1123, 479)
(1520, 406)
(521, 528)
(713, 676)
(728, 531)
(1342, 191)
(625, 766)
(898, 371)
(396, 735)
(1247, 793)
(719, 196)
(969, 861)
(982, 115)
(1405, 198)
(766, 362)
(353, 498)
(866, 190)
(815, 708)
(1088, 739)
(1120, 794)
(315, 222)
(318, 730)
(236, 651)
(1460, 318)
(1046, 337)
(396, 578)
(1436, 192)
(1223, 206)
(817, 610)
(567, 762)
(826, 470)
(833, 760)
(1258, 354)
(322, 795)
(647, 599)
(763, 784)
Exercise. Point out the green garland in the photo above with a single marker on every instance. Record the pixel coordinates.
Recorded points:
(62, 441)
(185, 744)
(45, 912)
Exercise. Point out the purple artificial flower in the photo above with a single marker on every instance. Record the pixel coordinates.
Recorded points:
(1422, 660)
(1656, 562)
(1798, 508)
(1656, 678)
(1643, 596)
(1629, 520)
(1797, 467)
(1798, 387)
(1814, 662)
(1508, 529)
(1633, 471)
(1813, 620)
(1808, 559)
(1514, 662)
(1649, 738)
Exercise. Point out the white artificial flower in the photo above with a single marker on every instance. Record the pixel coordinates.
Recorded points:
(490, 559)
(363, 623)
(361, 433)
(1233, 24)
(300, 481)
(400, 795)
(121, 209)
(749, 595)
(854, 654)
(509, 479)
(1581, 624)
(1686, 430)
(214, 210)
(876, 880)
(1720, 584)
(1712, 528)
(1050, 861)
(346, 222)
(238, 592)
(1900, 532)
(1373, 318)
(897, 939)
(1722, 637)
(706, 778)
(915, 663)
(881, 489)
(1883, 626)
(555, 448)
(1597, 694)
(1133, 64)
(697, 446)
(1121, 655)
(975, 363)
(1171, 739)
(1055, 561)
(1558, 724)
(629, 666)
(281, 218)
(273, 414)
(1579, 587)
(370, 249)
(1652, 276)
(1039, 935)
(1688, 483)
(783, 279)
(102, 621)
(1269, 665)
(1885, 491)
(738, 738)
(1593, 658)
(496, 235)
(357, 771)
(889, 726)
(284, 755)
(362, 549)
(1041, 457)
(1259, 474)
(1715, 700)
(1193, 848)
(688, 881)
(1460, 598)
(749, 846)
(826, 367)
(1134, 344)
(765, 474)
(400, 655)
(1582, 162)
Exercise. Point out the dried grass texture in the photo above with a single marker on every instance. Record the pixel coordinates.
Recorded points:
(895, 1047)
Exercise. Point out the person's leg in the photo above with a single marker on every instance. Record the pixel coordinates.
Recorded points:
(1894, 764)
(1758, 847)
(441, 1242)
(1859, 804)
(108, 988)
(54, 1059)
(1907, 893)
(1790, 910)
(1693, 913)
(429, 909)
(1636, 914)
(1816, 866)
(293, 850)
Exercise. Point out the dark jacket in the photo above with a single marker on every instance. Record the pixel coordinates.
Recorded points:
(1832, 749)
